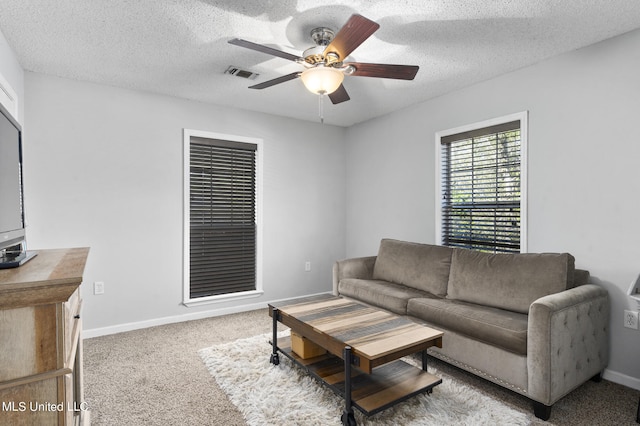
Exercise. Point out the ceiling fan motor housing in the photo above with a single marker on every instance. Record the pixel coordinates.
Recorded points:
(321, 36)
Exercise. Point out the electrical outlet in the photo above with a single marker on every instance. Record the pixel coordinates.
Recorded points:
(307, 266)
(631, 319)
(98, 287)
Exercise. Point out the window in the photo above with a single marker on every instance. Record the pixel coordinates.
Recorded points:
(221, 217)
(481, 185)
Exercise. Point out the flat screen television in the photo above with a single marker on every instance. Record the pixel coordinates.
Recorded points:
(13, 250)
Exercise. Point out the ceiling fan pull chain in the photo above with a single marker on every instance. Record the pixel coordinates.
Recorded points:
(321, 107)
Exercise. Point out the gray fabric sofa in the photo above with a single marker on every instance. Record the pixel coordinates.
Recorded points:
(528, 322)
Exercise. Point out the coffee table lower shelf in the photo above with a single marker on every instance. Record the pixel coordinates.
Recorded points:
(385, 387)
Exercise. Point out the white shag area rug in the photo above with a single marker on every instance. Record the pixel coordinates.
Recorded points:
(285, 395)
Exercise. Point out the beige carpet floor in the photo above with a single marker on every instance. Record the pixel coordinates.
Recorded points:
(155, 376)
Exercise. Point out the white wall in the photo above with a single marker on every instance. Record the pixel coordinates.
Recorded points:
(584, 187)
(104, 168)
(12, 72)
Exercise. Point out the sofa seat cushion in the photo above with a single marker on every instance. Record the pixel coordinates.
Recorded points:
(421, 266)
(505, 329)
(383, 294)
(508, 281)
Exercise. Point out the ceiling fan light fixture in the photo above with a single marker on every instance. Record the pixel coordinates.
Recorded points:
(322, 80)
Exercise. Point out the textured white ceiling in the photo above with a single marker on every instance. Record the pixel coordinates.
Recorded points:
(179, 47)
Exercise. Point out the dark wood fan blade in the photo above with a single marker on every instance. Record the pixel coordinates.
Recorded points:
(275, 81)
(400, 72)
(351, 35)
(264, 49)
(340, 95)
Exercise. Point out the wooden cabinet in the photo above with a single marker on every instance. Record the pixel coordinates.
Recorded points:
(41, 342)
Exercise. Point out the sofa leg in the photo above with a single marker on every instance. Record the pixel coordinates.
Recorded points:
(597, 378)
(541, 411)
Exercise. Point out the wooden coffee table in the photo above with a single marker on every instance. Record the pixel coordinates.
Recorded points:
(364, 346)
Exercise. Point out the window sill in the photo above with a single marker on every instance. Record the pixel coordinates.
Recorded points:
(222, 298)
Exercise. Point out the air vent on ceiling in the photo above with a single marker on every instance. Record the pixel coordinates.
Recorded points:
(233, 70)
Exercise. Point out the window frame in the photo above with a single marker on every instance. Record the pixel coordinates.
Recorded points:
(187, 300)
(523, 118)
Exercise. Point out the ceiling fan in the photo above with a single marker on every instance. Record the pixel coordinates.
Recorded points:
(325, 69)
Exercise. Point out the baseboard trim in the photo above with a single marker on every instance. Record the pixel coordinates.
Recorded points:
(621, 379)
(121, 328)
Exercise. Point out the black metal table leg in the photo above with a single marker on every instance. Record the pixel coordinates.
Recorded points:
(348, 418)
(424, 367)
(275, 359)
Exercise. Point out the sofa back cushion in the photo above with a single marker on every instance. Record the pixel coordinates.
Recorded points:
(508, 281)
(420, 266)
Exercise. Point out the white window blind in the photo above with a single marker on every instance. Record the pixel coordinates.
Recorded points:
(481, 188)
(222, 217)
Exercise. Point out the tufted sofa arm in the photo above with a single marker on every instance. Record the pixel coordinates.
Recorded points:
(567, 341)
(359, 267)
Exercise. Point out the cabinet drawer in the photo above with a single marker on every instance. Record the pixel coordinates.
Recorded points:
(28, 341)
(26, 405)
